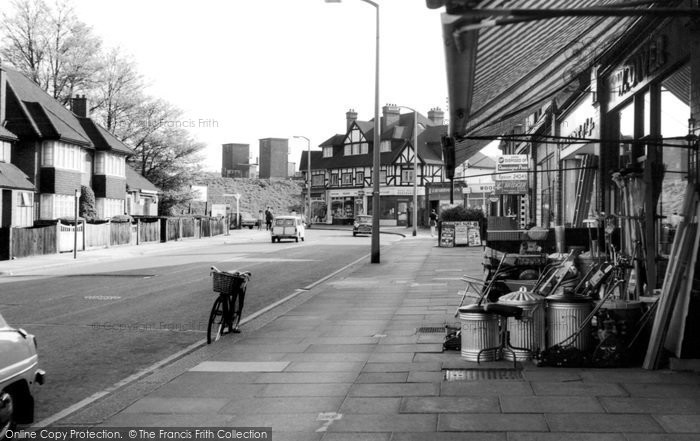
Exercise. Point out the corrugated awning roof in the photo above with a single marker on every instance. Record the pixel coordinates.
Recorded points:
(501, 74)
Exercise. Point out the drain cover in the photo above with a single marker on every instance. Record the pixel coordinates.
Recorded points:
(431, 330)
(482, 374)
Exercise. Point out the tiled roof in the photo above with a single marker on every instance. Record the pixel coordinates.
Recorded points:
(6, 135)
(13, 177)
(102, 139)
(42, 114)
(136, 182)
(429, 150)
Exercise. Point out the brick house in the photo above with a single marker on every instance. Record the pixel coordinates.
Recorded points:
(59, 150)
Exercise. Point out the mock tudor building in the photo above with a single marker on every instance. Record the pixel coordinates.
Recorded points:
(341, 173)
(59, 150)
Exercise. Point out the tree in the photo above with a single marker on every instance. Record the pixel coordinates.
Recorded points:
(51, 46)
(118, 94)
(87, 203)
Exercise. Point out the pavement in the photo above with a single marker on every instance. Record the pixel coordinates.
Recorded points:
(359, 357)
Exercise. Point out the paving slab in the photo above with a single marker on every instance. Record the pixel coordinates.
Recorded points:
(492, 422)
(394, 390)
(282, 405)
(360, 405)
(540, 404)
(651, 405)
(578, 389)
(606, 423)
(680, 423)
(384, 423)
(450, 405)
(240, 366)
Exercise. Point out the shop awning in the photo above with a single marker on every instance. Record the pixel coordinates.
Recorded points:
(497, 76)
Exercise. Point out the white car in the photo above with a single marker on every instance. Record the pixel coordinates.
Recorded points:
(19, 373)
(287, 227)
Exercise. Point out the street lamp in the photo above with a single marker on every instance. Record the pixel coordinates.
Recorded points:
(308, 175)
(376, 158)
(415, 166)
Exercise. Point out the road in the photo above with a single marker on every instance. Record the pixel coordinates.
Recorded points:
(100, 322)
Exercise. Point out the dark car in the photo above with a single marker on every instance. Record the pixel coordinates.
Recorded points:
(362, 225)
(248, 220)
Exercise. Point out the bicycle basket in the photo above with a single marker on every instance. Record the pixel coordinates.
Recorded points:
(228, 283)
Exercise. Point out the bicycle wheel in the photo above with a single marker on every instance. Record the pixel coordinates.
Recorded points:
(215, 327)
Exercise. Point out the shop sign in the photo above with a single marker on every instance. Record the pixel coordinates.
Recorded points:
(506, 163)
(520, 176)
(478, 188)
(341, 193)
(650, 60)
(400, 191)
(511, 187)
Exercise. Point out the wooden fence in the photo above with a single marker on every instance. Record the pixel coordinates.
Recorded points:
(33, 241)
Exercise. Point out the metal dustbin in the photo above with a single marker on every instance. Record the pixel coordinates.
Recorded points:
(479, 331)
(528, 333)
(565, 315)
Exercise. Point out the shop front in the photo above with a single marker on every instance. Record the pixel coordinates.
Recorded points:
(344, 205)
(443, 195)
(396, 205)
(645, 166)
(481, 197)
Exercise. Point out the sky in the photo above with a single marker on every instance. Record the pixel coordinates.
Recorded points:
(246, 70)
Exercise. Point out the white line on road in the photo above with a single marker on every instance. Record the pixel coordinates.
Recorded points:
(136, 376)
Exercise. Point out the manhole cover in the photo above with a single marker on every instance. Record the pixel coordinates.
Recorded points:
(431, 330)
(482, 374)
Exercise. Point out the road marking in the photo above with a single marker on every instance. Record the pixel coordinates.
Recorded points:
(191, 348)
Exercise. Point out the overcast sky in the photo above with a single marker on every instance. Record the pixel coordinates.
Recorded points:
(243, 70)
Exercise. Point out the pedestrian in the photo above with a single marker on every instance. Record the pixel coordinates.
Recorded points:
(268, 218)
(261, 219)
(433, 222)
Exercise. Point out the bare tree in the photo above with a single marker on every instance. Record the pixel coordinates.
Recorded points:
(51, 46)
(25, 32)
(118, 93)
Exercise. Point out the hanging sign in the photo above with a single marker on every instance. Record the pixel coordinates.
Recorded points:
(511, 187)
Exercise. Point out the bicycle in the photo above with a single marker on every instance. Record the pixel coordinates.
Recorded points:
(228, 306)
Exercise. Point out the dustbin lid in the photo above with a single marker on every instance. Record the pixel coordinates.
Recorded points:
(521, 297)
(471, 308)
(568, 298)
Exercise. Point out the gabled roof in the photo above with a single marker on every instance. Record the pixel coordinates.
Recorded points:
(400, 134)
(12, 177)
(39, 113)
(102, 139)
(136, 182)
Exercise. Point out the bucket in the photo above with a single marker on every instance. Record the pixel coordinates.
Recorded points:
(528, 333)
(564, 316)
(479, 331)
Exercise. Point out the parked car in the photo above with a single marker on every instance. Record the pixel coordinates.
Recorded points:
(287, 227)
(19, 373)
(362, 225)
(248, 220)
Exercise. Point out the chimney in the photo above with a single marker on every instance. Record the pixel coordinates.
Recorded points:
(437, 116)
(391, 116)
(79, 106)
(350, 117)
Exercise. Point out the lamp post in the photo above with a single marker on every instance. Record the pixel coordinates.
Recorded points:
(376, 158)
(75, 229)
(415, 166)
(308, 176)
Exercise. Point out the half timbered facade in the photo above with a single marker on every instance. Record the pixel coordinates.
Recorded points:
(341, 172)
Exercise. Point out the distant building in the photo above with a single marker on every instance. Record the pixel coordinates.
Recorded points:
(274, 154)
(291, 169)
(235, 160)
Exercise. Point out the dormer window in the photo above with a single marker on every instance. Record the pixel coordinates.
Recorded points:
(355, 143)
(328, 152)
(385, 146)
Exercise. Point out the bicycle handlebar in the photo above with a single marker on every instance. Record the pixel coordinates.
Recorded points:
(246, 274)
